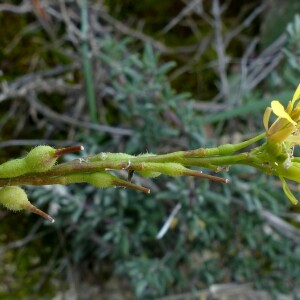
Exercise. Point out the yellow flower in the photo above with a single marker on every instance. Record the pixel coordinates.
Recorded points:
(282, 136)
(285, 128)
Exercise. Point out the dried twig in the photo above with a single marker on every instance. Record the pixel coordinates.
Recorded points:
(49, 113)
(266, 62)
(36, 85)
(220, 48)
(32, 235)
(186, 11)
(246, 23)
(120, 26)
(281, 225)
(224, 292)
(244, 68)
(24, 7)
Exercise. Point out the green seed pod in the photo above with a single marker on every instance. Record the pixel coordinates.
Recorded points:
(13, 198)
(150, 174)
(102, 180)
(98, 179)
(172, 169)
(39, 159)
(13, 168)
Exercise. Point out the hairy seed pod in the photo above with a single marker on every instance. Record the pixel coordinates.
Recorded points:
(171, 169)
(101, 180)
(39, 159)
(15, 198)
(98, 179)
(13, 168)
(148, 173)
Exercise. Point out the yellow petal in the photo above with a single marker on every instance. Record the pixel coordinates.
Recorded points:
(288, 192)
(279, 136)
(279, 111)
(290, 107)
(296, 95)
(266, 118)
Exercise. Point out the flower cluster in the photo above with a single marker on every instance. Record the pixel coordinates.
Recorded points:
(282, 136)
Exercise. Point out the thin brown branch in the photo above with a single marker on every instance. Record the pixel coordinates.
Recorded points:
(285, 228)
(32, 235)
(38, 81)
(246, 23)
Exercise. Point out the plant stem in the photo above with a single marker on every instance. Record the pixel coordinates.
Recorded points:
(211, 158)
(87, 68)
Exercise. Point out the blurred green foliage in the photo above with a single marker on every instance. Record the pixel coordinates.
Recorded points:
(194, 30)
(221, 234)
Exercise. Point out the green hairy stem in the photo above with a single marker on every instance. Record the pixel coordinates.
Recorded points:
(39, 167)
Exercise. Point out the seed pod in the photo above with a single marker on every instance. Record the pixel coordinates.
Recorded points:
(39, 159)
(98, 179)
(102, 179)
(150, 174)
(15, 198)
(171, 169)
(13, 168)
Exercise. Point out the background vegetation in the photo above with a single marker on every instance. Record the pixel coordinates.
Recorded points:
(137, 77)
